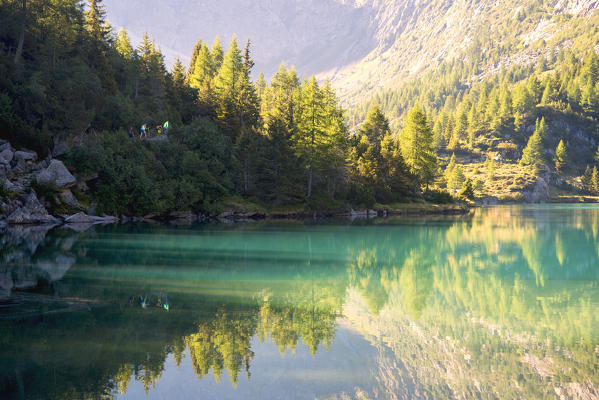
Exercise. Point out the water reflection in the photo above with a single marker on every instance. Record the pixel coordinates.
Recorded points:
(500, 304)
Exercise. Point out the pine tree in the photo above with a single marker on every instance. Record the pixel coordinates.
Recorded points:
(524, 102)
(226, 89)
(417, 146)
(467, 191)
(375, 127)
(533, 153)
(192, 63)
(561, 157)
(310, 131)
(261, 86)
(597, 155)
(586, 179)
(590, 99)
(202, 74)
(450, 166)
(456, 178)
(95, 18)
(123, 44)
(217, 55)
(472, 126)
(594, 186)
(548, 94)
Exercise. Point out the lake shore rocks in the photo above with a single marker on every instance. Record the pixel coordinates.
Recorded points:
(56, 175)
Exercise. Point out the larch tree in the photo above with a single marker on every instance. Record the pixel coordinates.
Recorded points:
(217, 55)
(122, 44)
(533, 152)
(226, 89)
(310, 139)
(561, 157)
(417, 146)
(194, 55)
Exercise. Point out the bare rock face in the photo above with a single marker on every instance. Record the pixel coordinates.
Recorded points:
(539, 192)
(32, 212)
(56, 175)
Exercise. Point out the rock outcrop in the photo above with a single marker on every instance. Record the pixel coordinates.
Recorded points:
(56, 175)
(32, 212)
(539, 192)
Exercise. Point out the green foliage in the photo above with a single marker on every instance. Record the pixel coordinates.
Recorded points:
(456, 179)
(561, 157)
(377, 164)
(417, 146)
(533, 153)
(467, 191)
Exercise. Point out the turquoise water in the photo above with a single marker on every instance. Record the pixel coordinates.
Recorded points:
(503, 303)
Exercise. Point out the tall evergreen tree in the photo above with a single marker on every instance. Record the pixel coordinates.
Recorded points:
(309, 139)
(217, 55)
(192, 62)
(417, 146)
(561, 157)
(533, 152)
(376, 126)
(95, 18)
(227, 85)
(122, 44)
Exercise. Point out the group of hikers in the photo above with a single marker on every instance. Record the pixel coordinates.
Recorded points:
(145, 130)
(144, 302)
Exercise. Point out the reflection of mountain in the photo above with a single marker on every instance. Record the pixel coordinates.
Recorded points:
(503, 304)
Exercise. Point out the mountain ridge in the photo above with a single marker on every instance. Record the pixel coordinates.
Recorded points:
(364, 46)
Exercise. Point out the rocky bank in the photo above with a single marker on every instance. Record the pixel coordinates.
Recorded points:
(41, 192)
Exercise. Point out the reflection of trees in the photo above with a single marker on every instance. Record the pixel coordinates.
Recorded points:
(222, 343)
(472, 307)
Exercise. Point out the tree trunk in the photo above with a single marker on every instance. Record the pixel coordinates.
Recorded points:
(310, 181)
(22, 35)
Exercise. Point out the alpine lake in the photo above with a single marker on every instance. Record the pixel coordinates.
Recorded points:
(502, 303)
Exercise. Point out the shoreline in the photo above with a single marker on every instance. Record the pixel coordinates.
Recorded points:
(235, 215)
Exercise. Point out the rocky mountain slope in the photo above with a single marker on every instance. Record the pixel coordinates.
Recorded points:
(363, 45)
(313, 35)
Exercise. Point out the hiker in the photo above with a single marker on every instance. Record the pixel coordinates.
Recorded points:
(143, 131)
(159, 129)
(130, 132)
(165, 128)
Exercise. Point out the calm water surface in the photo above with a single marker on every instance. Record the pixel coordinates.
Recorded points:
(500, 304)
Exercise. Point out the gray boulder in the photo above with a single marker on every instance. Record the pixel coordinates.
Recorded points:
(56, 175)
(67, 197)
(80, 218)
(4, 145)
(23, 160)
(6, 156)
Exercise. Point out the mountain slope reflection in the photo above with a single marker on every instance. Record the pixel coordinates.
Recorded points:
(502, 304)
